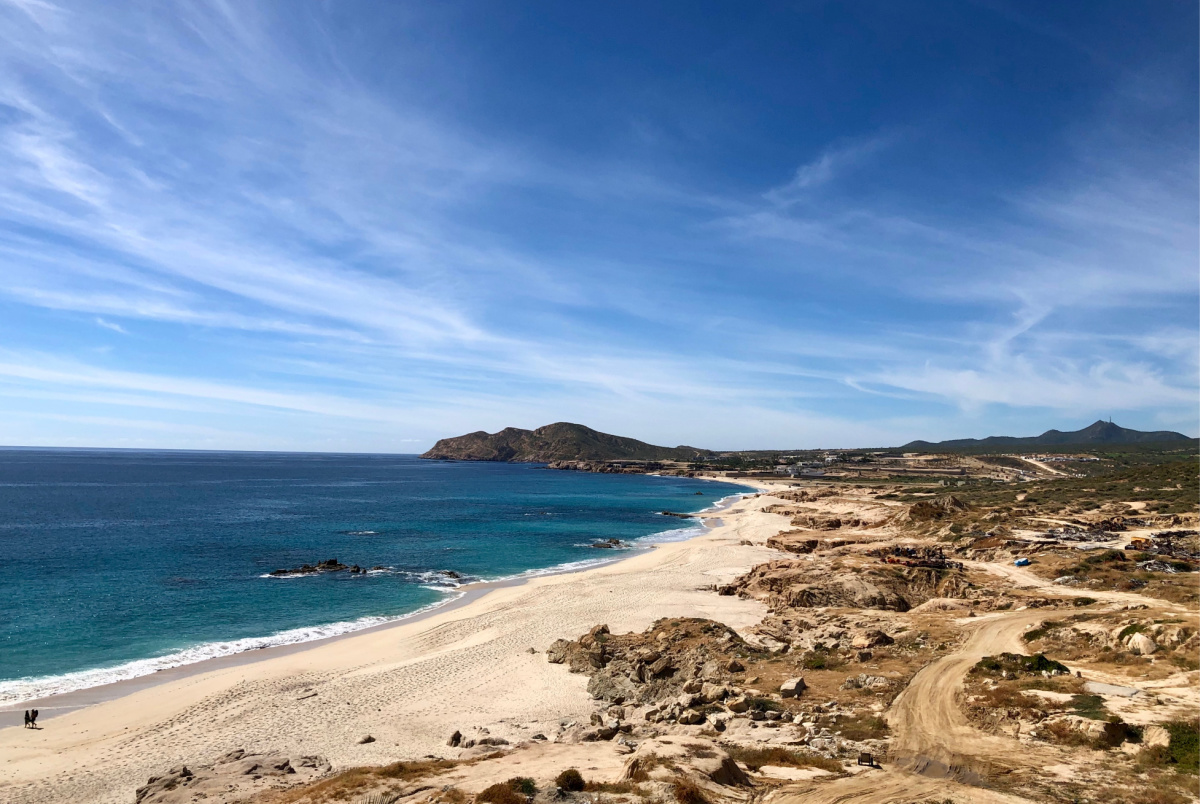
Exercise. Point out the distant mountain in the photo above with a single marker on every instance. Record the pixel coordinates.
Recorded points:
(561, 441)
(1101, 432)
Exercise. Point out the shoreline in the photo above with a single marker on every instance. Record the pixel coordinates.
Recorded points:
(58, 704)
(476, 664)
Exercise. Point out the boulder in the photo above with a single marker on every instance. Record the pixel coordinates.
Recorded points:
(663, 760)
(738, 704)
(1142, 645)
(557, 653)
(866, 682)
(366, 738)
(455, 739)
(871, 639)
(156, 786)
(789, 543)
(793, 687)
(1156, 736)
(235, 776)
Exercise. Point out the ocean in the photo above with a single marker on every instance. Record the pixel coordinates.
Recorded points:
(118, 563)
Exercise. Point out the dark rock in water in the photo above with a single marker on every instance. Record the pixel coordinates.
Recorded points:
(356, 569)
(672, 513)
(328, 565)
(699, 494)
(378, 567)
(450, 574)
(608, 544)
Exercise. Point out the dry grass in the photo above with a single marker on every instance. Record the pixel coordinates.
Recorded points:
(688, 792)
(756, 757)
(357, 782)
(501, 793)
(617, 789)
(863, 727)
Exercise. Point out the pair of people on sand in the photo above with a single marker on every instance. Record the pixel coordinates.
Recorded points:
(31, 718)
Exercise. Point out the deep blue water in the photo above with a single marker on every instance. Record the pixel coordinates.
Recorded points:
(116, 563)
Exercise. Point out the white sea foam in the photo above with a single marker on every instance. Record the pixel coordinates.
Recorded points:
(18, 690)
(25, 689)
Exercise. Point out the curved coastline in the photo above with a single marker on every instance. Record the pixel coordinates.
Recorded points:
(89, 687)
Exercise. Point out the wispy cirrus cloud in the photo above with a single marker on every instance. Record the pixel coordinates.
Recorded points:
(833, 161)
(287, 227)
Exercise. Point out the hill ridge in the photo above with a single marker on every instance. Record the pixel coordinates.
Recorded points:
(1099, 432)
(561, 441)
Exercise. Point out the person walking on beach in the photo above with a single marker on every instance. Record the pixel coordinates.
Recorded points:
(33, 719)
(28, 719)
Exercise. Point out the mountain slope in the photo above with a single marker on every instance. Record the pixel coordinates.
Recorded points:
(561, 441)
(1100, 432)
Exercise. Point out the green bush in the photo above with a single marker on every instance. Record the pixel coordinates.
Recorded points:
(1184, 746)
(764, 705)
(1130, 630)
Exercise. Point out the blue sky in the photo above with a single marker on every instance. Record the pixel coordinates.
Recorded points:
(364, 226)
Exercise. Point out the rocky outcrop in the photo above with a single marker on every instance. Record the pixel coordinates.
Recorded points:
(826, 522)
(795, 584)
(666, 760)
(328, 565)
(680, 663)
(609, 544)
(1141, 645)
(234, 776)
(938, 508)
(792, 541)
(624, 467)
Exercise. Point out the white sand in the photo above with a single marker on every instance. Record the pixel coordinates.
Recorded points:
(408, 685)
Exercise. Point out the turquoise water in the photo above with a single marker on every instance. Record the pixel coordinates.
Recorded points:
(115, 564)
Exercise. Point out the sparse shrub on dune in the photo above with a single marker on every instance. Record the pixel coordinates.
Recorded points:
(570, 780)
(688, 792)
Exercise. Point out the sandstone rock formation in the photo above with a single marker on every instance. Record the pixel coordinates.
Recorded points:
(234, 776)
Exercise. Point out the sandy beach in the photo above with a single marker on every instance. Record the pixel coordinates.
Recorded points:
(409, 685)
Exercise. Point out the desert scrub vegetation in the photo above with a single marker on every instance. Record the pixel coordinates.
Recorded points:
(517, 790)
(1182, 753)
(617, 789)
(764, 705)
(863, 727)
(1167, 480)
(1013, 665)
(570, 780)
(686, 791)
(357, 782)
(755, 757)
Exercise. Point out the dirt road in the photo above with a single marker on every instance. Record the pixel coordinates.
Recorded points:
(935, 750)
(933, 736)
(1023, 578)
